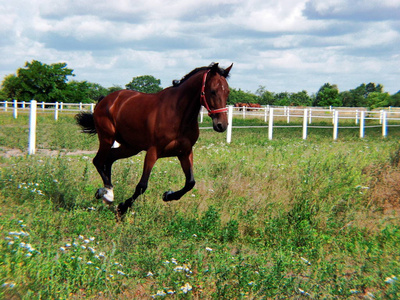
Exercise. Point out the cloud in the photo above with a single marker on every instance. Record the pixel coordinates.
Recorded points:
(286, 45)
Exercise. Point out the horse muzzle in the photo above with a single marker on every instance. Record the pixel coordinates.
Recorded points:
(220, 124)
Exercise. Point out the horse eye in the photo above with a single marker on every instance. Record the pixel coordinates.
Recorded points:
(213, 92)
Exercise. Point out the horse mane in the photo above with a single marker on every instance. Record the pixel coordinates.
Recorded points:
(220, 71)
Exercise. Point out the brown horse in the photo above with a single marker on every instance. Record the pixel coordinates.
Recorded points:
(164, 124)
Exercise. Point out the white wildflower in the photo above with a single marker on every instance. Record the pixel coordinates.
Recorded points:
(392, 279)
(305, 260)
(178, 269)
(160, 293)
(149, 274)
(186, 288)
(303, 292)
(209, 249)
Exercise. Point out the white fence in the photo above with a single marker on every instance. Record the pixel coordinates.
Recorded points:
(303, 115)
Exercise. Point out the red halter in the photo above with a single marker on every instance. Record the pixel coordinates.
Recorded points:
(203, 100)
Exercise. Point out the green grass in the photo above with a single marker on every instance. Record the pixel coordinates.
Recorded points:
(281, 219)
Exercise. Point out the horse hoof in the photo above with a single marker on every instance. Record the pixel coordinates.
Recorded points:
(106, 194)
(120, 213)
(165, 196)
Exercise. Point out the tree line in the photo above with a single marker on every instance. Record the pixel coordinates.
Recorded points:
(50, 83)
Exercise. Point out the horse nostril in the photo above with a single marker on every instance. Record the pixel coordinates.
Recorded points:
(220, 127)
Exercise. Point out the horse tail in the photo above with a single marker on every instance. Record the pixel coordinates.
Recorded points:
(86, 121)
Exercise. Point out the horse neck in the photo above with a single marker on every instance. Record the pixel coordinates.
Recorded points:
(189, 98)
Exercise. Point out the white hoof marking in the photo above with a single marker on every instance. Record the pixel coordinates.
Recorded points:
(107, 195)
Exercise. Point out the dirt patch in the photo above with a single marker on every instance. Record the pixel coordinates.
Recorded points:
(385, 189)
(8, 152)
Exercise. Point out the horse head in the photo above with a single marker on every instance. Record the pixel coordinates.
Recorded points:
(215, 94)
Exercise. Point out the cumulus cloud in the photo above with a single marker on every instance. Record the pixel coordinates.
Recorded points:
(286, 45)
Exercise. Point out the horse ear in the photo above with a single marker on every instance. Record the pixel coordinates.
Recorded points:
(214, 67)
(227, 70)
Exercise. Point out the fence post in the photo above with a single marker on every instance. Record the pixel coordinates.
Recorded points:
(201, 114)
(15, 104)
(384, 123)
(230, 118)
(362, 122)
(266, 113)
(42, 105)
(244, 112)
(288, 114)
(92, 107)
(356, 116)
(32, 128)
(305, 124)
(5, 106)
(310, 116)
(56, 111)
(335, 124)
(270, 123)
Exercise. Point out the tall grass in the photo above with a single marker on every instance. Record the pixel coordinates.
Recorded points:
(285, 218)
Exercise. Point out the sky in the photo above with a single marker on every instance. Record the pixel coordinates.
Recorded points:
(284, 46)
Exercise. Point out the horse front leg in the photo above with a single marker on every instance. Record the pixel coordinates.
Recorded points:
(187, 167)
(149, 161)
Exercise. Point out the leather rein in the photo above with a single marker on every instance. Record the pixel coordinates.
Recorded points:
(203, 100)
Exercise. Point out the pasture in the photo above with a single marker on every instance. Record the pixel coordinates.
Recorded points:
(287, 218)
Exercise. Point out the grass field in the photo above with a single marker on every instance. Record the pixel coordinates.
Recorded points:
(276, 219)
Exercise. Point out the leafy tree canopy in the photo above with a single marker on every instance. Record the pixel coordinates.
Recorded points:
(37, 81)
(145, 84)
(328, 96)
(237, 95)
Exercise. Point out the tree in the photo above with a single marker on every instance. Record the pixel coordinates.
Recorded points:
(282, 99)
(239, 96)
(395, 99)
(43, 82)
(114, 88)
(145, 84)
(348, 99)
(10, 87)
(265, 97)
(377, 99)
(328, 96)
(300, 99)
(38, 81)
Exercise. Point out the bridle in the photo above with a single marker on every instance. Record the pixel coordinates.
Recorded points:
(203, 100)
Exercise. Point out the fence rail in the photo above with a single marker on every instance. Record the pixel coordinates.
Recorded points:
(304, 115)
